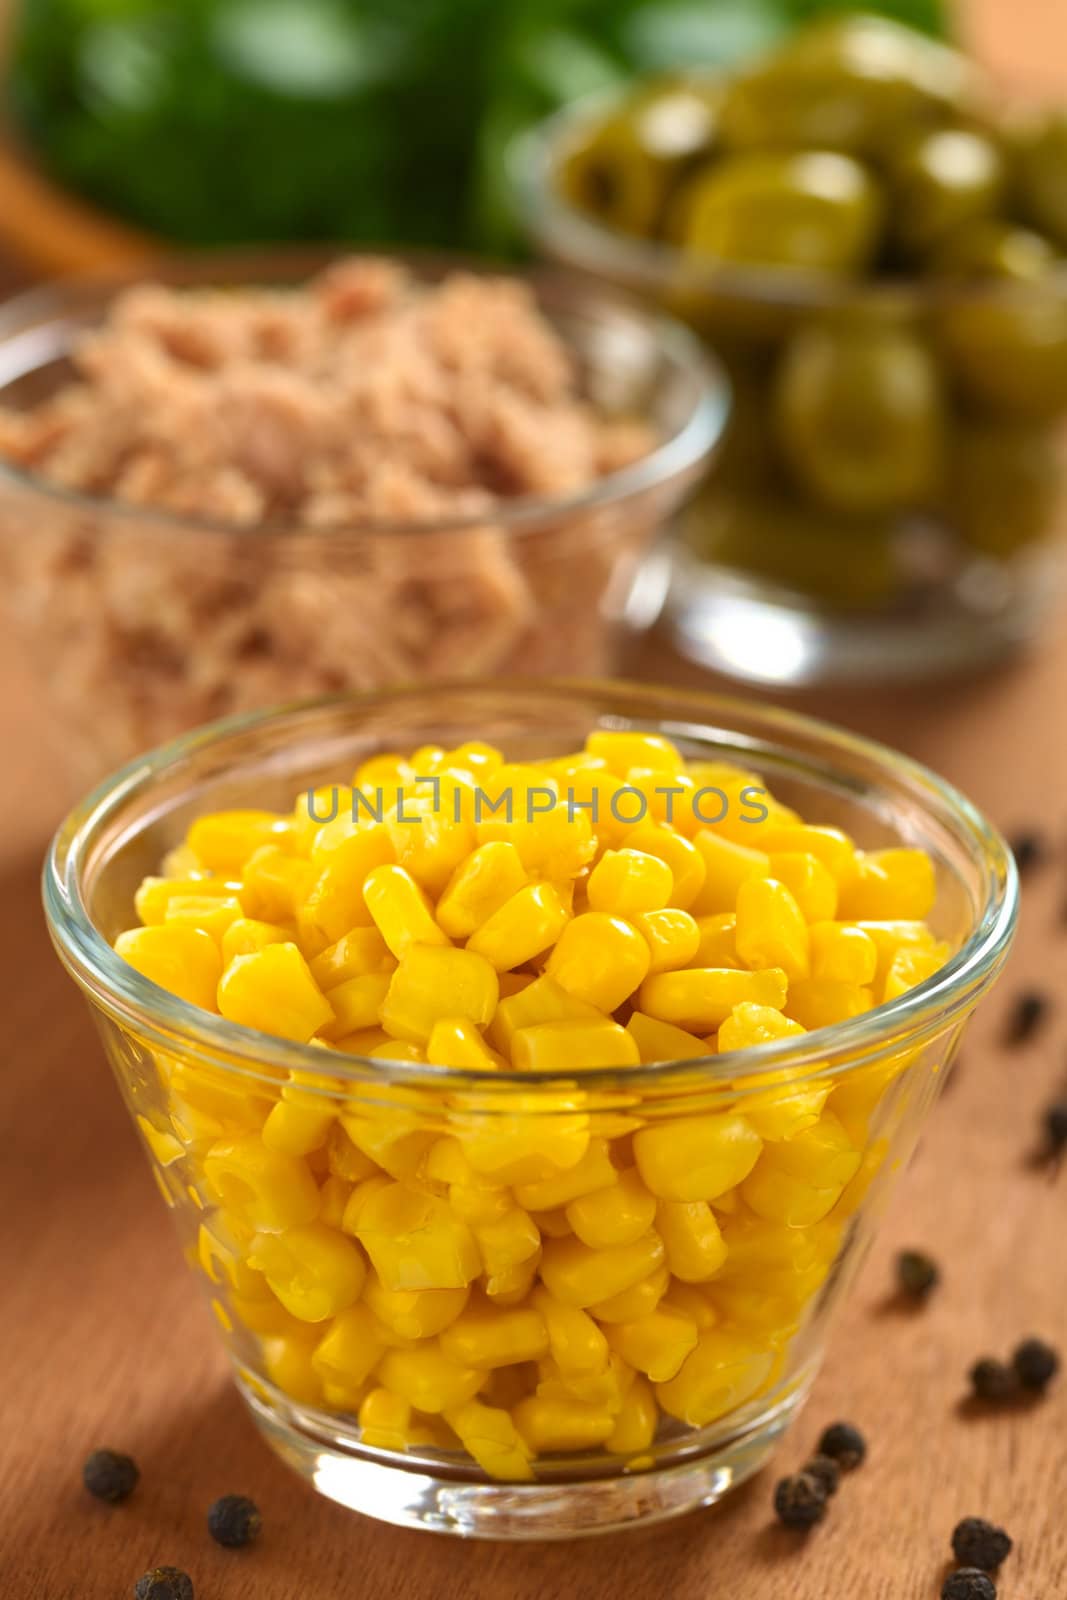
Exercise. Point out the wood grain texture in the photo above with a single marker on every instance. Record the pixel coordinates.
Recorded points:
(103, 1340)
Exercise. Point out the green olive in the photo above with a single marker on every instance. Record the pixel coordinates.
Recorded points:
(1039, 148)
(991, 249)
(859, 411)
(849, 84)
(941, 181)
(626, 170)
(845, 563)
(813, 212)
(1003, 486)
(1007, 350)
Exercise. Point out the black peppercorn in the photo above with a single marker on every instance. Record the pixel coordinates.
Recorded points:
(917, 1274)
(844, 1444)
(826, 1470)
(1029, 849)
(968, 1584)
(164, 1583)
(978, 1543)
(800, 1501)
(1035, 1364)
(1027, 1014)
(1054, 1121)
(234, 1521)
(110, 1476)
(993, 1380)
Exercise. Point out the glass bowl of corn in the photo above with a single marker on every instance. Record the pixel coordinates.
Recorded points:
(525, 1068)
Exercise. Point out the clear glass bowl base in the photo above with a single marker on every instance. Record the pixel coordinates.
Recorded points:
(435, 1492)
(761, 634)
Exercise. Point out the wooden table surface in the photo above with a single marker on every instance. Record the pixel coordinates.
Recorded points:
(103, 1341)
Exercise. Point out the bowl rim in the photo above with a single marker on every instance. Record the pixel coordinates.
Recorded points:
(889, 1028)
(24, 316)
(585, 243)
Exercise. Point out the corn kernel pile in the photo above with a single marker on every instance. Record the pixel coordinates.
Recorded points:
(547, 1277)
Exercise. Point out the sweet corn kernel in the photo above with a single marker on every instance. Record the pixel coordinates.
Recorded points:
(662, 1041)
(455, 1042)
(507, 1241)
(155, 894)
(703, 997)
(185, 961)
(542, 1000)
(344, 1159)
(575, 1343)
(224, 841)
(616, 1215)
(623, 751)
(681, 855)
(626, 882)
(385, 1420)
(657, 1344)
(818, 1002)
(275, 884)
(842, 953)
(606, 1388)
(771, 931)
(593, 1171)
(356, 1004)
(692, 1239)
(480, 885)
(336, 900)
(810, 882)
(573, 1045)
(673, 938)
(287, 1361)
(350, 1349)
(829, 845)
(245, 936)
(360, 951)
(221, 1248)
(578, 1276)
(696, 1158)
(273, 990)
(640, 1300)
(910, 967)
(488, 1434)
(413, 1240)
(512, 1286)
(797, 1182)
(297, 1127)
(213, 913)
(428, 1379)
(692, 1303)
(720, 1374)
(400, 910)
(889, 937)
(491, 1337)
(520, 929)
(548, 1425)
(718, 941)
(413, 1313)
(334, 1194)
(431, 847)
(432, 982)
(267, 1189)
(635, 1424)
(314, 1271)
(726, 867)
(889, 885)
(599, 959)
(556, 842)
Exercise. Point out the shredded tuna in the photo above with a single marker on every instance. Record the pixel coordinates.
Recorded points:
(304, 422)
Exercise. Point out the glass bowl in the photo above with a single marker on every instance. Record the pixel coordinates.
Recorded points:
(856, 542)
(141, 623)
(200, 1090)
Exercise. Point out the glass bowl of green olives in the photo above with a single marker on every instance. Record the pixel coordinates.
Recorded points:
(877, 249)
